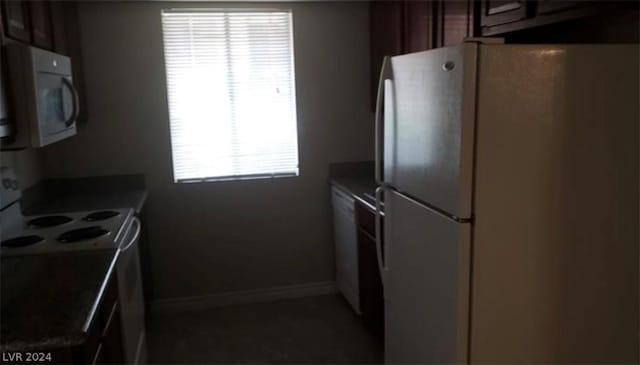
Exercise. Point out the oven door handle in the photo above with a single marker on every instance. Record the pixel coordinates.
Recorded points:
(76, 102)
(135, 236)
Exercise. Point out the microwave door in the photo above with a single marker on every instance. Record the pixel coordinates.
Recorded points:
(57, 101)
(53, 111)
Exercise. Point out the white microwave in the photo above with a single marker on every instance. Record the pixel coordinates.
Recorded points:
(42, 97)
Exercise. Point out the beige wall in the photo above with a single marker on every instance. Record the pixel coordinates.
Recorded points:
(216, 237)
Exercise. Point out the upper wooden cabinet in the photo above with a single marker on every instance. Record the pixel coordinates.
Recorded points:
(47, 24)
(505, 18)
(419, 29)
(28, 22)
(551, 6)
(501, 12)
(66, 41)
(41, 24)
(399, 27)
(454, 21)
(59, 24)
(16, 20)
(387, 23)
(387, 36)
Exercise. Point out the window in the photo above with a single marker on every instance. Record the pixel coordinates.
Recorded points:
(230, 84)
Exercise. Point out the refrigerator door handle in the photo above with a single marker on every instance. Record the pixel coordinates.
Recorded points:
(385, 74)
(380, 253)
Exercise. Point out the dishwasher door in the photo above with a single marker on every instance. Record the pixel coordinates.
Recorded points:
(131, 299)
(346, 244)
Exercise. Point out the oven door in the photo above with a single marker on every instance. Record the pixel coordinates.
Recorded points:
(130, 296)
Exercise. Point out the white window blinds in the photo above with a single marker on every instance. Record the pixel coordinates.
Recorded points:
(231, 89)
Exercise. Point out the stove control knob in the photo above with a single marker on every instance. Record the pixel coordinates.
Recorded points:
(10, 184)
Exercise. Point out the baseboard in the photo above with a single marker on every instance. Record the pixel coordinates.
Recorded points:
(242, 297)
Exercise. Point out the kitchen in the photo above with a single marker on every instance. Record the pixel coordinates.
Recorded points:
(261, 270)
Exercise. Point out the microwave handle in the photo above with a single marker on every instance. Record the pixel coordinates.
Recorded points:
(76, 102)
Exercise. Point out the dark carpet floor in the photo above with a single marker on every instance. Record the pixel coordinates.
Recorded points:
(311, 330)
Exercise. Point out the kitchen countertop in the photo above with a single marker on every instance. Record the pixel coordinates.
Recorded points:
(68, 202)
(91, 193)
(357, 186)
(48, 301)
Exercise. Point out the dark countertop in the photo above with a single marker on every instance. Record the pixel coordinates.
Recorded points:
(91, 193)
(67, 202)
(48, 301)
(358, 188)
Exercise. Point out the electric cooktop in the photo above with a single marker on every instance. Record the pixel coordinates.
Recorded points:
(25, 235)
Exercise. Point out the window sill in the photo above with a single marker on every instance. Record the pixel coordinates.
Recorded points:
(237, 178)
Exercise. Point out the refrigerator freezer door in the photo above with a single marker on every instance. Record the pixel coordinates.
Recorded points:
(427, 285)
(428, 141)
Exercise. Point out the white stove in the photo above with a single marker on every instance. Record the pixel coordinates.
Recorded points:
(76, 231)
(59, 232)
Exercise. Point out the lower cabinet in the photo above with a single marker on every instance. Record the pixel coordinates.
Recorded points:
(357, 272)
(104, 340)
(371, 290)
(103, 344)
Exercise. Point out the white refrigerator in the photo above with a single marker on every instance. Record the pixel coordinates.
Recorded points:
(509, 175)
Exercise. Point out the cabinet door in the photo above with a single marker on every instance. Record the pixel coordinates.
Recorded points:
(500, 12)
(371, 291)
(419, 26)
(58, 28)
(111, 351)
(104, 339)
(386, 32)
(72, 37)
(40, 24)
(16, 20)
(66, 40)
(454, 22)
(552, 6)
